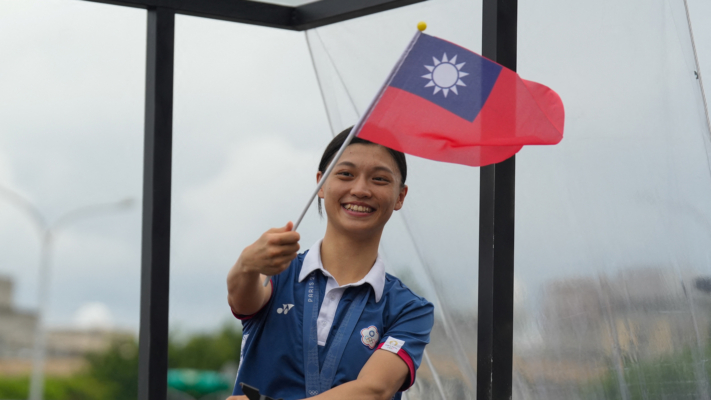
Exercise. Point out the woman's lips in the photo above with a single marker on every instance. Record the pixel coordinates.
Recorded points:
(357, 209)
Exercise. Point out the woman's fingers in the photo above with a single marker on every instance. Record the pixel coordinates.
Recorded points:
(286, 228)
(285, 250)
(274, 250)
(281, 263)
(279, 238)
(277, 265)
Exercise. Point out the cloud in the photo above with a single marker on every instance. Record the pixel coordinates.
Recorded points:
(93, 315)
(264, 168)
(264, 182)
(260, 186)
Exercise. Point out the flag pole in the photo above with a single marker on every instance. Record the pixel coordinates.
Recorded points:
(356, 128)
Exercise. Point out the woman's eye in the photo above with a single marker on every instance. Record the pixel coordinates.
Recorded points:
(343, 173)
(381, 179)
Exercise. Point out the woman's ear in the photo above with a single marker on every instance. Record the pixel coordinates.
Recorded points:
(319, 175)
(401, 197)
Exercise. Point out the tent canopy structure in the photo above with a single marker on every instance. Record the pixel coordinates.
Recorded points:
(495, 320)
(286, 14)
(495, 317)
(609, 298)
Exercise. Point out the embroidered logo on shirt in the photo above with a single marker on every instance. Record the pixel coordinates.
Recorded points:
(369, 336)
(285, 309)
(393, 345)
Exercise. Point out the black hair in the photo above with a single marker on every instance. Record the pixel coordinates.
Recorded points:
(336, 144)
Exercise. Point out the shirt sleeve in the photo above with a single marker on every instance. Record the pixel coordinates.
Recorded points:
(409, 334)
(277, 281)
(243, 317)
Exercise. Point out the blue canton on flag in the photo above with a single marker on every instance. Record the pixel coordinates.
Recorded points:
(450, 76)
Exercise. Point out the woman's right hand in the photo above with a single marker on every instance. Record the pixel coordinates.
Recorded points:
(268, 256)
(272, 252)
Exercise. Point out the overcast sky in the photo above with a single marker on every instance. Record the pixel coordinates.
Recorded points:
(629, 186)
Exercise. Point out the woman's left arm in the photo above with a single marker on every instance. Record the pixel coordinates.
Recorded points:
(380, 378)
(392, 367)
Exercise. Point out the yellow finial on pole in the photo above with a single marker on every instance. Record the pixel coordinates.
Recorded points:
(421, 26)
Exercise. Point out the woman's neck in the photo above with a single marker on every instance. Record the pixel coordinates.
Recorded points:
(349, 260)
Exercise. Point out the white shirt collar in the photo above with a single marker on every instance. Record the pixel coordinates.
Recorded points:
(375, 277)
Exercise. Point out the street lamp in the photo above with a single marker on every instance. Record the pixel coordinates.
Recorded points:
(47, 232)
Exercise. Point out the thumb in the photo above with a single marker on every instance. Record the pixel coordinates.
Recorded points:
(286, 228)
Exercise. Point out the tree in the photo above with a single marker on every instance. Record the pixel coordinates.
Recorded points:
(117, 369)
(209, 351)
(113, 374)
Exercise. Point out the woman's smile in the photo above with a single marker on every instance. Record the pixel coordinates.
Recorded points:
(358, 209)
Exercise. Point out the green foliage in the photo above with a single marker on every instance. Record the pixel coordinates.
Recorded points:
(74, 388)
(116, 369)
(679, 375)
(206, 351)
(14, 388)
(113, 374)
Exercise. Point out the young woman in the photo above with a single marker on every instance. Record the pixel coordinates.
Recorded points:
(332, 324)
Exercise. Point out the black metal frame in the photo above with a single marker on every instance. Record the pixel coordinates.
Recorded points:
(497, 186)
(497, 193)
(307, 16)
(157, 164)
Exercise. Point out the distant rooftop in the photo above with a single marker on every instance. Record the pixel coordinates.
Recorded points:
(6, 292)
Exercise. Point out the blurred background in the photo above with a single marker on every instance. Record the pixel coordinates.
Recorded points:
(613, 225)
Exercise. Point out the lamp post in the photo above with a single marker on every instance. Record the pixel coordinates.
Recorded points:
(47, 232)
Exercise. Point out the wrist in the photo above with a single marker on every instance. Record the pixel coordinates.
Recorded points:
(246, 270)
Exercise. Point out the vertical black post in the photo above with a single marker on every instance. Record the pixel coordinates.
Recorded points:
(496, 229)
(155, 258)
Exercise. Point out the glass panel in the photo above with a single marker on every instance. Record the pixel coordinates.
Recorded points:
(249, 129)
(249, 132)
(432, 243)
(71, 148)
(612, 225)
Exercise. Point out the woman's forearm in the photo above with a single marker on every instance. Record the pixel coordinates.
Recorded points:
(358, 389)
(245, 293)
(381, 377)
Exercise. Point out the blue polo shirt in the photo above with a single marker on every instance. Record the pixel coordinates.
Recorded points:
(393, 319)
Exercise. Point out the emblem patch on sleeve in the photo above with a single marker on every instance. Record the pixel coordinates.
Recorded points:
(369, 336)
(393, 345)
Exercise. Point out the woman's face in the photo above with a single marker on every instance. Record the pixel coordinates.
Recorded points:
(363, 190)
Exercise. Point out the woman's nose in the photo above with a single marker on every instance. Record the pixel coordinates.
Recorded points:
(360, 188)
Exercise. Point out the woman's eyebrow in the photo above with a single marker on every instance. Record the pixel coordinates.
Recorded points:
(346, 164)
(381, 168)
(378, 168)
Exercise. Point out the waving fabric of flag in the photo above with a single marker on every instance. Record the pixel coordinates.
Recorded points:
(446, 103)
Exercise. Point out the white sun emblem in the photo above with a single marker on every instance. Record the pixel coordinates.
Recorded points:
(445, 75)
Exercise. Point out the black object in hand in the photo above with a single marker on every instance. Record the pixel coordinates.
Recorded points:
(253, 393)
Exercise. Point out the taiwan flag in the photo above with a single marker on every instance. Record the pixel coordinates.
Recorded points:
(446, 103)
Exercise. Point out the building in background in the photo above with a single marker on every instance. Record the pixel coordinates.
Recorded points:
(16, 326)
(639, 313)
(592, 326)
(66, 347)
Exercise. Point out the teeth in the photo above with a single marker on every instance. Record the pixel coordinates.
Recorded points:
(357, 208)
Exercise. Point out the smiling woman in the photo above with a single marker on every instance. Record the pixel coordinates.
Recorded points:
(343, 309)
(336, 144)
